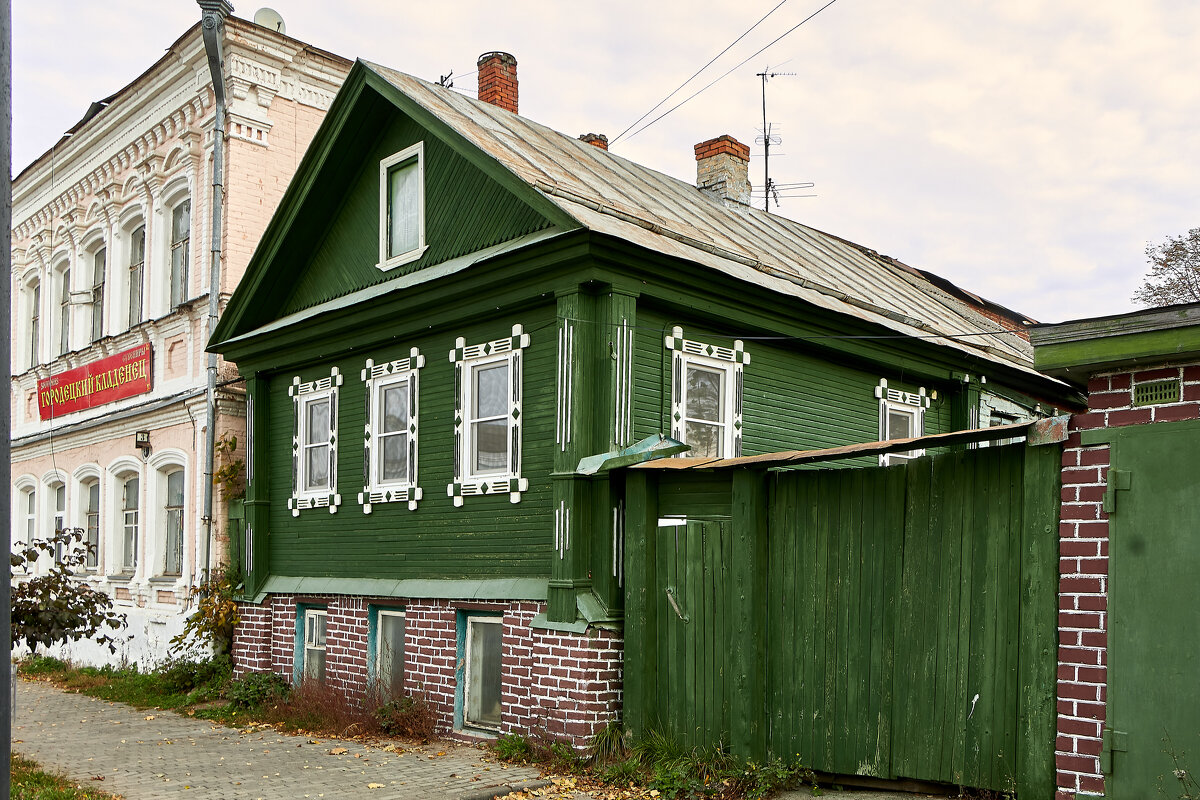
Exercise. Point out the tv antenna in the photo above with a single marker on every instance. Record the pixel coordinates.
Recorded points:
(768, 138)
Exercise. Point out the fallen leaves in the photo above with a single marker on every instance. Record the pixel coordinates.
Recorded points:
(338, 751)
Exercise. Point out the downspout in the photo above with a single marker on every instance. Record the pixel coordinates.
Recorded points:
(213, 27)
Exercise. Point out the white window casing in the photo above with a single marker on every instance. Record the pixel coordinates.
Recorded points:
(130, 521)
(402, 207)
(706, 395)
(901, 416)
(390, 435)
(180, 253)
(389, 650)
(482, 701)
(314, 443)
(487, 403)
(91, 523)
(173, 521)
(99, 268)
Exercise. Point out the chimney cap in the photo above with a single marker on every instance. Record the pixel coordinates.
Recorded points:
(724, 144)
(595, 140)
(504, 58)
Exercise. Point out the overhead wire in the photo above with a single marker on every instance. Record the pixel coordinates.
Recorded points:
(697, 72)
(740, 64)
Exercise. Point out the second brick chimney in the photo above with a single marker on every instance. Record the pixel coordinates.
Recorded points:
(723, 169)
(595, 140)
(498, 80)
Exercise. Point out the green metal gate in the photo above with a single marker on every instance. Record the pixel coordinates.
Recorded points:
(889, 622)
(1154, 609)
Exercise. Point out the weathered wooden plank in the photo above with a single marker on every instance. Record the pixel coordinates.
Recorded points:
(748, 735)
(641, 646)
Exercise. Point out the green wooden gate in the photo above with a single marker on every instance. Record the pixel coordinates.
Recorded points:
(1154, 608)
(895, 622)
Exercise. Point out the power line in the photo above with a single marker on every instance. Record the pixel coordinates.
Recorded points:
(735, 66)
(697, 72)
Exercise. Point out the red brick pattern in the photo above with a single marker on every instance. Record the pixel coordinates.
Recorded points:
(568, 685)
(498, 80)
(725, 144)
(1083, 567)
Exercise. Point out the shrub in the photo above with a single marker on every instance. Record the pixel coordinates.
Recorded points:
(43, 665)
(314, 707)
(183, 675)
(513, 747)
(406, 716)
(256, 688)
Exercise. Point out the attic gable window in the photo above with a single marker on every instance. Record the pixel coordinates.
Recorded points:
(901, 416)
(706, 395)
(402, 207)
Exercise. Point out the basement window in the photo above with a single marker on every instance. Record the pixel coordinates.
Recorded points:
(312, 656)
(901, 416)
(479, 684)
(389, 651)
(402, 207)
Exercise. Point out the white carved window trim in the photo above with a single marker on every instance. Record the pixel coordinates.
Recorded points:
(376, 378)
(302, 394)
(466, 358)
(730, 361)
(894, 401)
(415, 152)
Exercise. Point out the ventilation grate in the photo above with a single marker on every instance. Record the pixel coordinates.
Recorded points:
(1154, 392)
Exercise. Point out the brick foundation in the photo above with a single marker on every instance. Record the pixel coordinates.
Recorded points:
(1083, 567)
(568, 685)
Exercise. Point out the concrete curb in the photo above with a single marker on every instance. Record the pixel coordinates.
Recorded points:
(489, 792)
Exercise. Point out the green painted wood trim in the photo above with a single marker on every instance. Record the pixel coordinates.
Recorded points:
(1111, 435)
(541, 623)
(641, 618)
(483, 589)
(469, 150)
(1037, 646)
(257, 504)
(748, 603)
(1076, 360)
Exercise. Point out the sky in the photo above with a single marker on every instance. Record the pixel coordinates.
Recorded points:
(1026, 150)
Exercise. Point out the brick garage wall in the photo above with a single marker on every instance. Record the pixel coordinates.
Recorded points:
(568, 685)
(1083, 566)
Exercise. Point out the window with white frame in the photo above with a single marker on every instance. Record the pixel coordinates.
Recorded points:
(390, 432)
(130, 498)
(389, 651)
(313, 657)
(58, 518)
(64, 312)
(901, 416)
(181, 227)
(402, 207)
(35, 321)
(487, 418)
(99, 265)
(137, 273)
(314, 443)
(706, 395)
(173, 524)
(482, 674)
(91, 523)
(28, 508)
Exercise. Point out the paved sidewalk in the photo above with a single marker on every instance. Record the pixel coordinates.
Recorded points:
(147, 755)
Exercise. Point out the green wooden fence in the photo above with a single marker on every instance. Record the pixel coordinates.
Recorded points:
(890, 622)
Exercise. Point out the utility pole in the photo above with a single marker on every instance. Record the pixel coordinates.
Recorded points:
(9, 689)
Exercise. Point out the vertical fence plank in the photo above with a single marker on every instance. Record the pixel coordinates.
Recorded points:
(749, 603)
(641, 644)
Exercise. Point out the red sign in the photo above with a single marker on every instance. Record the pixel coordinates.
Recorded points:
(105, 381)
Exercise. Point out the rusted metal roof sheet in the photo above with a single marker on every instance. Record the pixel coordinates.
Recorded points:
(1042, 431)
(615, 196)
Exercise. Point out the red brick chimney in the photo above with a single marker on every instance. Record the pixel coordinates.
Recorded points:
(498, 80)
(723, 169)
(595, 140)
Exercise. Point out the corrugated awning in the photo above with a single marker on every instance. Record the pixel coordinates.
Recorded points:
(1042, 431)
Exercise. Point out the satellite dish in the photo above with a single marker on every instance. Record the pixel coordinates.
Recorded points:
(269, 18)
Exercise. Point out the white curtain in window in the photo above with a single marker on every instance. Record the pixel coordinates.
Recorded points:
(403, 211)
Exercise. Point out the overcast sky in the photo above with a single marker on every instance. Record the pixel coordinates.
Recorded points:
(1026, 150)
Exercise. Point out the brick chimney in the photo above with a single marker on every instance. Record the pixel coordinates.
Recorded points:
(723, 169)
(498, 80)
(595, 140)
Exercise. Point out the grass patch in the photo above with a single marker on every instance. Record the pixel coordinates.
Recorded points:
(31, 782)
(656, 762)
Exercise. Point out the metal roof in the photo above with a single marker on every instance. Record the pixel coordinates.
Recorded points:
(612, 195)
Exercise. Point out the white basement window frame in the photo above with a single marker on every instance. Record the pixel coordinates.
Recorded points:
(389, 665)
(402, 207)
(471, 364)
(314, 448)
(694, 367)
(315, 626)
(901, 416)
(483, 698)
(382, 435)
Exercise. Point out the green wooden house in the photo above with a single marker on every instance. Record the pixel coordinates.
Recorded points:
(454, 305)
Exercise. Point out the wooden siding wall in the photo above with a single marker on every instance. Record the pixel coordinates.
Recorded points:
(455, 190)
(488, 537)
(894, 623)
(795, 397)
